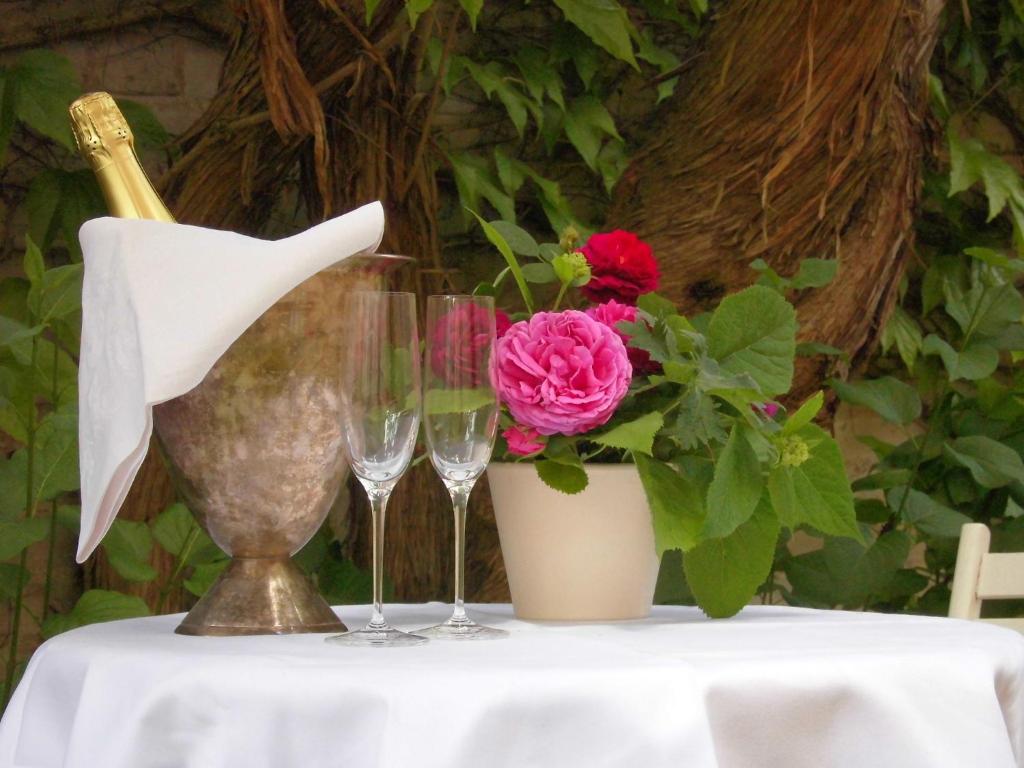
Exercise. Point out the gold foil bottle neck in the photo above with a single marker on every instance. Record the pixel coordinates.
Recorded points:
(98, 126)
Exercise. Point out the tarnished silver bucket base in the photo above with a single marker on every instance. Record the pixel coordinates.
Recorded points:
(261, 596)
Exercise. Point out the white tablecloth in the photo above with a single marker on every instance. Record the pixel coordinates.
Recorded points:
(772, 687)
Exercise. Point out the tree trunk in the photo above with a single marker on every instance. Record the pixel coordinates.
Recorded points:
(798, 134)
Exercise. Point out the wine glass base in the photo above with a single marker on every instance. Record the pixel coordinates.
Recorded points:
(462, 630)
(372, 636)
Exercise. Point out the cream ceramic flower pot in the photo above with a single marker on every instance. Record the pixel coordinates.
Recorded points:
(585, 557)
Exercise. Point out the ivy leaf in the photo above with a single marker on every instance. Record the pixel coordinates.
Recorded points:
(567, 478)
(42, 83)
(371, 8)
(93, 607)
(472, 9)
(926, 514)
(902, 331)
(587, 122)
(762, 349)
(890, 398)
(540, 76)
(977, 361)
(845, 572)
(473, 180)
(519, 240)
(815, 273)
(636, 436)
(725, 573)
(991, 463)
(817, 492)
(19, 534)
(605, 22)
(970, 163)
(736, 488)
(676, 504)
(128, 545)
(415, 9)
(985, 310)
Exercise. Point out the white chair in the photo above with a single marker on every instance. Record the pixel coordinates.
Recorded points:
(983, 575)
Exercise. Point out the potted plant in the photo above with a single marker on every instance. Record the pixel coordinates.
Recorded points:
(629, 430)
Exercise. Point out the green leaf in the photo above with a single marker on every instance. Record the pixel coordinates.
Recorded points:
(541, 77)
(603, 21)
(926, 514)
(882, 480)
(814, 348)
(763, 349)
(147, 130)
(970, 163)
(539, 273)
(890, 398)
(12, 332)
(175, 527)
(587, 122)
(817, 492)
(95, 606)
(11, 574)
(815, 273)
(902, 331)
(845, 572)
(519, 240)
(636, 436)
(204, 575)
(342, 582)
(371, 8)
(44, 83)
(33, 263)
(736, 488)
(498, 241)
(676, 503)
(991, 463)
(472, 9)
(566, 478)
(724, 573)
(439, 401)
(977, 361)
(128, 545)
(804, 414)
(416, 8)
(474, 179)
(19, 534)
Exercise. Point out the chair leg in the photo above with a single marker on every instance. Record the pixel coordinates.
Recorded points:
(964, 602)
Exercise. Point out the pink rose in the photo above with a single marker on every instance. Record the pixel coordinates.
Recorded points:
(523, 441)
(611, 313)
(622, 267)
(562, 372)
(768, 409)
(460, 344)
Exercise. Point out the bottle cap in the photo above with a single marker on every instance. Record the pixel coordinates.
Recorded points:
(98, 125)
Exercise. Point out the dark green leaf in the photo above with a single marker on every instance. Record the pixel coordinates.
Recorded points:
(926, 514)
(128, 545)
(724, 574)
(19, 534)
(95, 606)
(890, 398)
(991, 463)
(603, 21)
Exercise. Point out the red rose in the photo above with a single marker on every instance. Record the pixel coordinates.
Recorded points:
(621, 266)
(502, 322)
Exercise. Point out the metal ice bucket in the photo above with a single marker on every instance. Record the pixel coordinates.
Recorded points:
(256, 451)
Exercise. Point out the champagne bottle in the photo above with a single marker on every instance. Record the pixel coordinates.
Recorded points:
(106, 142)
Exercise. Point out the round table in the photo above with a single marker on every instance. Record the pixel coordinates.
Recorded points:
(771, 687)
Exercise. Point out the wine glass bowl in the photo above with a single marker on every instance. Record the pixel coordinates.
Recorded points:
(460, 416)
(380, 418)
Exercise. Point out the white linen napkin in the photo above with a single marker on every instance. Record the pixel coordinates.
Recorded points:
(160, 304)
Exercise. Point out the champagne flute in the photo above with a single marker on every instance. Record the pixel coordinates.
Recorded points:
(461, 419)
(380, 413)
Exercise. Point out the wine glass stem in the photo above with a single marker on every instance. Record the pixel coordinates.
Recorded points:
(378, 505)
(460, 500)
